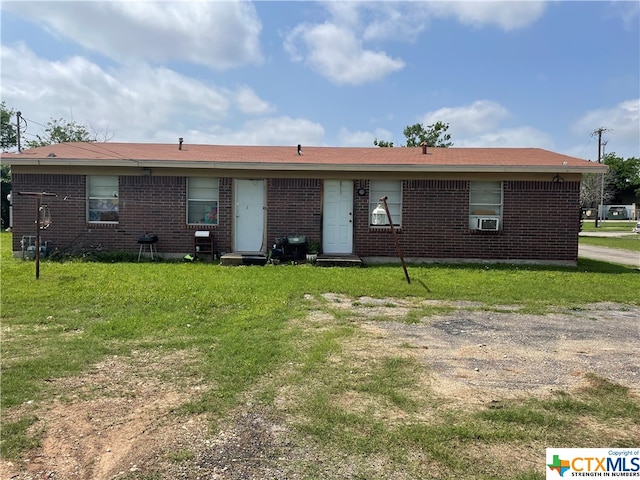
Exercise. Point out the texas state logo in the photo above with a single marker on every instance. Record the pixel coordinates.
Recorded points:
(593, 462)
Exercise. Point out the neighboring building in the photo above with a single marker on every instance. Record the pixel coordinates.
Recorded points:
(449, 204)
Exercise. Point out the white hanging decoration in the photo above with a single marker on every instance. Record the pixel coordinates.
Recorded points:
(45, 217)
(379, 216)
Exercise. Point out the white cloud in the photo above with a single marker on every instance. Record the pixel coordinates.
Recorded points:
(507, 15)
(478, 117)
(627, 11)
(480, 124)
(281, 130)
(622, 122)
(623, 116)
(217, 34)
(395, 21)
(134, 103)
(337, 47)
(250, 103)
(521, 137)
(337, 54)
(359, 138)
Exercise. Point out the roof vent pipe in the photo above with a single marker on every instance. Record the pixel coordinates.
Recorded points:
(299, 149)
(180, 140)
(424, 148)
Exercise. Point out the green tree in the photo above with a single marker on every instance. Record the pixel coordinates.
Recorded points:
(432, 136)
(625, 176)
(60, 131)
(382, 143)
(9, 140)
(8, 132)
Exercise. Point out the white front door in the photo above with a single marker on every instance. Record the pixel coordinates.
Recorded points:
(249, 216)
(337, 217)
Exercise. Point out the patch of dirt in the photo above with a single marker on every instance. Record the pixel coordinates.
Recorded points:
(119, 419)
(476, 354)
(111, 420)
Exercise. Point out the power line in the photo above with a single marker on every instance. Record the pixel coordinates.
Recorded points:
(624, 133)
(71, 144)
(33, 121)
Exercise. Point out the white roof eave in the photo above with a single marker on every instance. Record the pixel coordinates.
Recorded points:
(271, 166)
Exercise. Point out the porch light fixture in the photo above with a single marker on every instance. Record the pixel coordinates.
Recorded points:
(379, 215)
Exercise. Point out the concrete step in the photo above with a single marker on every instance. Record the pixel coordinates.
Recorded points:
(243, 258)
(333, 260)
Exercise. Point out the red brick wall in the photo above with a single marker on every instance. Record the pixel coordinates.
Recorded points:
(434, 218)
(153, 204)
(540, 219)
(540, 222)
(294, 208)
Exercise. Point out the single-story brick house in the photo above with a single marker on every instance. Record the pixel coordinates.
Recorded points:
(517, 205)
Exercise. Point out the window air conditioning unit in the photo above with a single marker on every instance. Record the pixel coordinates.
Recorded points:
(488, 223)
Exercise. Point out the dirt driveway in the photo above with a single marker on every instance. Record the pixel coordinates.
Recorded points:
(611, 255)
(475, 353)
(607, 254)
(116, 421)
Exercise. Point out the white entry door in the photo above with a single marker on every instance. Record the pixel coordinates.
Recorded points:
(337, 217)
(249, 216)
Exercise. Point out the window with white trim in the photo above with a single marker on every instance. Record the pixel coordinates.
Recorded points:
(202, 200)
(392, 189)
(102, 199)
(485, 205)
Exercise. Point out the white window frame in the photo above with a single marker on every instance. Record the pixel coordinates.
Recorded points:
(103, 205)
(486, 200)
(392, 189)
(203, 200)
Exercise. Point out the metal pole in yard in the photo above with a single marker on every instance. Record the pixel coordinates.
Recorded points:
(395, 237)
(38, 202)
(38, 196)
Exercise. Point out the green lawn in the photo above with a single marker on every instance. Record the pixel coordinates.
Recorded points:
(628, 242)
(608, 226)
(246, 324)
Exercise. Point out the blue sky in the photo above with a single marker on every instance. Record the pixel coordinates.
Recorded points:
(502, 74)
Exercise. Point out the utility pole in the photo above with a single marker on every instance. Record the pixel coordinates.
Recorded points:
(604, 143)
(599, 132)
(18, 114)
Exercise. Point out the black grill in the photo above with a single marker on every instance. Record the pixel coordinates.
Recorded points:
(291, 247)
(148, 239)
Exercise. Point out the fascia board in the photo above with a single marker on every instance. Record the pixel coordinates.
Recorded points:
(53, 162)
